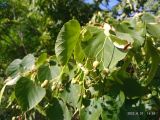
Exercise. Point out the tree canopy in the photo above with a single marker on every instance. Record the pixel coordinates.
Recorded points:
(73, 60)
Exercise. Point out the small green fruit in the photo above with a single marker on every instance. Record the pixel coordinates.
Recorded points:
(86, 71)
(80, 83)
(158, 48)
(74, 81)
(13, 106)
(17, 107)
(53, 87)
(61, 90)
(84, 96)
(154, 93)
(149, 96)
(82, 107)
(95, 64)
(44, 84)
(13, 118)
(105, 71)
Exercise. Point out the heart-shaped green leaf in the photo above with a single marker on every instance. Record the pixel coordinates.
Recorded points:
(28, 94)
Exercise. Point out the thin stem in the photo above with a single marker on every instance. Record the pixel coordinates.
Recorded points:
(111, 57)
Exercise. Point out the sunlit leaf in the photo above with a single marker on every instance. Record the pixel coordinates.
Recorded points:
(66, 40)
(101, 48)
(12, 80)
(14, 68)
(154, 29)
(148, 18)
(67, 95)
(41, 59)
(92, 112)
(28, 62)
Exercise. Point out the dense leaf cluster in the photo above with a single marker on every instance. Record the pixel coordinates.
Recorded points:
(104, 72)
(74, 67)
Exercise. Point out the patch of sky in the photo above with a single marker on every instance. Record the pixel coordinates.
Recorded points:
(104, 5)
(89, 1)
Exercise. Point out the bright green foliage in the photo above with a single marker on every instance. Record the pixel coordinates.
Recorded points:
(41, 60)
(66, 41)
(91, 112)
(153, 29)
(28, 95)
(44, 73)
(99, 47)
(58, 111)
(13, 68)
(126, 8)
(27, 63)
(17, 66)
(67, 95)
(69, 85)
